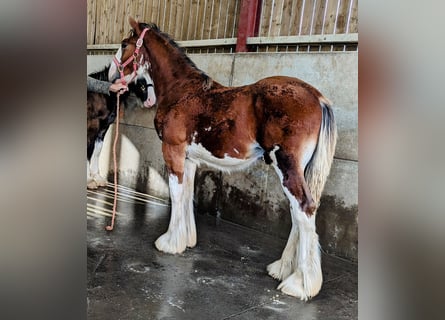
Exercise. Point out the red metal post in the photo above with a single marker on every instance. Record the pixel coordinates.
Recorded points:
(248, 23)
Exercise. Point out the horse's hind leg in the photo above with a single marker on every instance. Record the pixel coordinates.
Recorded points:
(300, 264)
(283, 267)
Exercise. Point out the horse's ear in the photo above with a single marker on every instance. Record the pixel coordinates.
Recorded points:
(134, 24)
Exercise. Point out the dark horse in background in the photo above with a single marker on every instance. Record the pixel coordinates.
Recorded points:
(101, 113)
(282, 120)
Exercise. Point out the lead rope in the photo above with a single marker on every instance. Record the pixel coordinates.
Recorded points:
(116, 137)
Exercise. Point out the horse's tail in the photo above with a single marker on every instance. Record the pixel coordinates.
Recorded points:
(317, 170)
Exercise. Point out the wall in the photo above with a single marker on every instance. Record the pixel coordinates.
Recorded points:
(215, 19)
(255, 198)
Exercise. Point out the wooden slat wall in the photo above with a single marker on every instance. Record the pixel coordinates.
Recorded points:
(215, 19)
(307, 17)
(182, 19)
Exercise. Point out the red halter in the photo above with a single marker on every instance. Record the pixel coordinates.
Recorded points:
(121, 67)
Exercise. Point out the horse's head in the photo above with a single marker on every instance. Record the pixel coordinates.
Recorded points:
(130, 67)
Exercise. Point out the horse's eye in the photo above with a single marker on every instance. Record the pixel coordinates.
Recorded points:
(124, 45)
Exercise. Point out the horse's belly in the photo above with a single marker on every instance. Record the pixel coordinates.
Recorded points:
(200, 155)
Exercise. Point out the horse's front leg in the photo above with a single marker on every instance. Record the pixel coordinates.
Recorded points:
(175, 239)
(97, 179)
(189, 182)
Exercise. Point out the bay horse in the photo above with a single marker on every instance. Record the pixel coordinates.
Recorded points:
(282, 120)
(101, 110)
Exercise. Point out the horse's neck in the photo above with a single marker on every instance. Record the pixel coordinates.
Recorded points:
(173, 73)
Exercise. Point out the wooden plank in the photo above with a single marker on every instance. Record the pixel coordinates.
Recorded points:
(168, 16)
(177, 15)
(207, 16)
(219, 19)
(214, 19)
(161, 16)
(342, 17)
(305, 23)
(266, 12)
(138, 12)
(275, 24)
(185, 19)
(154, 11)
(200, 20)
(319, 16)
(288, 10)
(103, 36)
(329, 22)
(191, 29)
(353, 20)
(118, 23)
(91, 21)
(294, 23)
(236, 14)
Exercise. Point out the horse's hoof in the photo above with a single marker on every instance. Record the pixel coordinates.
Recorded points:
(280, 269)
(293, 286)
(170, 243)
(100, 181)
(92, 185)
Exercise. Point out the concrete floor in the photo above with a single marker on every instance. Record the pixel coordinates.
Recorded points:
(223, 277)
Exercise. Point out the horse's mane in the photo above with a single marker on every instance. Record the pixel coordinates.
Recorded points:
(101, 75)
(207, 80)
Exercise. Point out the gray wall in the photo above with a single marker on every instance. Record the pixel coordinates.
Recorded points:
(255, 198)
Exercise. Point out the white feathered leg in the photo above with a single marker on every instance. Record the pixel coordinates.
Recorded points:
(189, 179)
(300, 263)
(94, 165)
(175, 239)
(282, 268)
(91, 184)
(305, 282)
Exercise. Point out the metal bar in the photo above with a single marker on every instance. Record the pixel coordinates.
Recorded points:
(327, 38)
(314, 39)
(207, 42)
(185, 43)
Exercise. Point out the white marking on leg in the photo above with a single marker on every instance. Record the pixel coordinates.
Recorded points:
(91, 184)
(282, 268)
(94, 164)
(189, 178)
(174, 240)
(306, 278)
